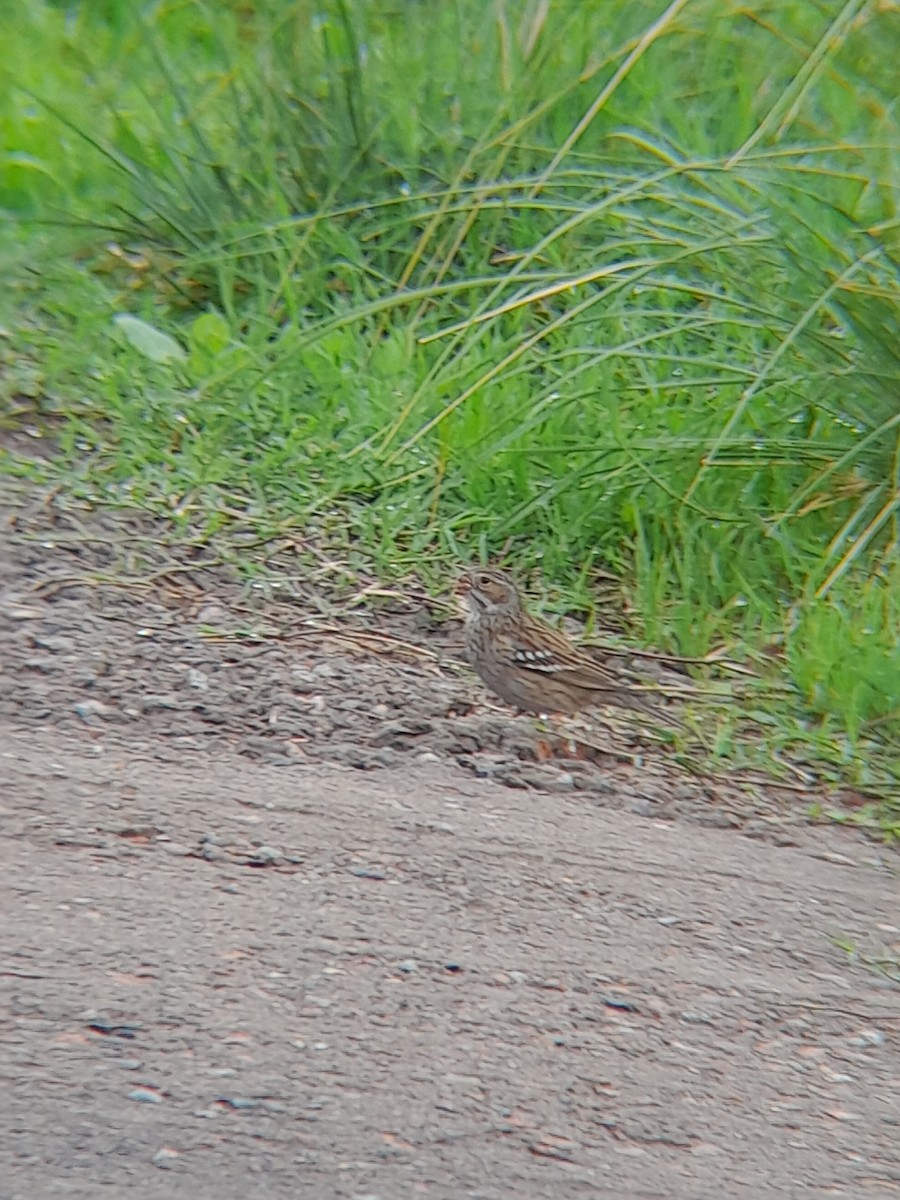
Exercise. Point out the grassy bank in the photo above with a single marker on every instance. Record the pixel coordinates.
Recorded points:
(610, 289)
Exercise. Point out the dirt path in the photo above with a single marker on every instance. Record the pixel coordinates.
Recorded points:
(331, 954)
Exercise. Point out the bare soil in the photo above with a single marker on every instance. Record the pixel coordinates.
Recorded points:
(289, 909)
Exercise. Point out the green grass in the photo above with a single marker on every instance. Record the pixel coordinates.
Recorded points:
(610, 288)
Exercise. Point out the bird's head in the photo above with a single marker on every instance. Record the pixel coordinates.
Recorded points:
(485, 590)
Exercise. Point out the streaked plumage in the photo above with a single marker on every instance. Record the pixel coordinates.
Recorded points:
(526, 662)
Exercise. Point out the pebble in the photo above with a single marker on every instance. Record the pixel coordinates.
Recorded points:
(212, 614)
(164, 1158)
(717, 819)
(155, 702)
(145, 1096)
(362, 759)
(304, 677)
(481, 770)
(42, 663)
(544, 778)
(89, 710)
(413, 727)
(868, 1037)
(55, 643)
(267, 856)
(642, 808)
(408, 966)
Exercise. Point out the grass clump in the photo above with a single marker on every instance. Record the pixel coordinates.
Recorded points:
(608, 288)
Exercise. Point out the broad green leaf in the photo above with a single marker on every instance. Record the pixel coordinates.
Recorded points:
(148, 340)
(210, 332)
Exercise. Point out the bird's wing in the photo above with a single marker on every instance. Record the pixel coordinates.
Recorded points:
(542, 649)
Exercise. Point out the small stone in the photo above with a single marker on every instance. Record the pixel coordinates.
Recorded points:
(642, 808)
(164, 1157)
(92, 710)
(41, 663)
(54, 643)
(408, 966)
(717, 819)
(153, 703)
(427, 756)
(145, 1096)
(212, 614)
(381, 711)
(398, 734)
(868, 1037)
(198, 680)
(267, 856)
(482, 770)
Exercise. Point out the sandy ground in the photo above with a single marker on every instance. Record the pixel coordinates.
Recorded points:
(296, 916)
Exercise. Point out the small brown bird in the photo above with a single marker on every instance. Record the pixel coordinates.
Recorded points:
(527, 662)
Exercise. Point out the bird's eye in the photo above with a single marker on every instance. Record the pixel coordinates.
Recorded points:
(484, 581)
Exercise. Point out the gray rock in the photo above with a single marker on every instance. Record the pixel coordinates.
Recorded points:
(153, 703)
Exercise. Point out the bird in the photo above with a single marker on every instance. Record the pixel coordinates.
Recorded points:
(526, 662)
